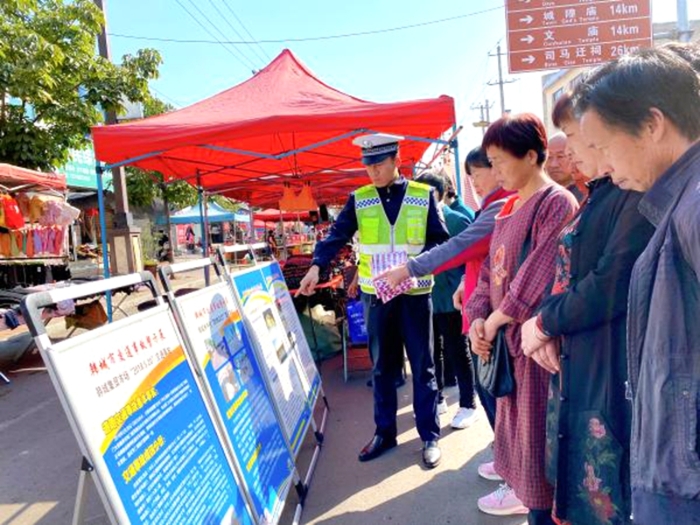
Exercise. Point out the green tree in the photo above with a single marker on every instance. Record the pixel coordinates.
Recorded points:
(53, 86)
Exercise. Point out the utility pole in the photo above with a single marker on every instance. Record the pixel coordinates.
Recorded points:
(684, 31)
(500, 82)
(484, 120)
(125, 246)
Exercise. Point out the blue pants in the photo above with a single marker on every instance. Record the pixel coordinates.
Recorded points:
(405, 321)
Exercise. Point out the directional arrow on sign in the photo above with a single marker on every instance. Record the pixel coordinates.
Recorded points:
(524, 1)
(528, 59)
(528, 19)
(529, 39)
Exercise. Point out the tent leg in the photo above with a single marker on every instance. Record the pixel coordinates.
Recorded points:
(103, 235)
(204, 227)
(458, 171)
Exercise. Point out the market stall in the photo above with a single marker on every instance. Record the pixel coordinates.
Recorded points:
(35, 221)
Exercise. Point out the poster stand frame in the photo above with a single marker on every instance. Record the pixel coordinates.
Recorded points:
(318, 429)
(166, 273)
(31, 309)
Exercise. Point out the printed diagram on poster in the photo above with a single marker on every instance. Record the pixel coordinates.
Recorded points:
(144, 424)
(282, 365)
(556, 34)
(277, 286)
(224, 353)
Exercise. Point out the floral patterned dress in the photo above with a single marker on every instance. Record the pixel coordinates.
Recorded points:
(517, 290)
(588, 417)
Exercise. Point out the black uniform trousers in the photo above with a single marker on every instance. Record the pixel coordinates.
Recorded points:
(405, 321)
(448, 334)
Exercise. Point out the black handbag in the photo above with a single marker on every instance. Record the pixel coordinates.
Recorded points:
(496, 375)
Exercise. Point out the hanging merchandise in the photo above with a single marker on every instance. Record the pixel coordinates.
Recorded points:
(13, 216)
(36, 208)
(23, 200)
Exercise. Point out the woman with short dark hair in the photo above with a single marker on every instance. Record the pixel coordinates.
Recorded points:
(513, 281)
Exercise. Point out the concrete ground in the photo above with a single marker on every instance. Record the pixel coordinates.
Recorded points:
(40, 460)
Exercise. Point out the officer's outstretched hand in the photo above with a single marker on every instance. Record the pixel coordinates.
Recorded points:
(309, 282)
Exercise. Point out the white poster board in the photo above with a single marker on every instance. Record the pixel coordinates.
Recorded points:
(141, 421)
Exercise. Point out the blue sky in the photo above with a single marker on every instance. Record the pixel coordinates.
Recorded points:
(443, 58)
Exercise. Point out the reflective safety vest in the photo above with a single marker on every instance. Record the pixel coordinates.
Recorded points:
(377, 235)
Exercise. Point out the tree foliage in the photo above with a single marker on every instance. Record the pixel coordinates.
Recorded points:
(53, 85)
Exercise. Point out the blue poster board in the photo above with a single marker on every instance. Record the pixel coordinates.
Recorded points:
(277, 286)
(223, 352)
(142, 422)
(281, 365)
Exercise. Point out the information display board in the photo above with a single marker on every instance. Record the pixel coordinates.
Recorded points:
(556, 34)
(283, 368)
(225, 356)
(277, 286)
(143, 424)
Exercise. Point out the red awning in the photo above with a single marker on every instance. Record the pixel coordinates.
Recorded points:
(14, 176)
(283, 125)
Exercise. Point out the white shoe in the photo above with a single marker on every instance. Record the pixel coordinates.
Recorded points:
(487, 471)
(464, 418)
(442, 407)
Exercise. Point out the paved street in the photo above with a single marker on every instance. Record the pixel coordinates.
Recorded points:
(40, 458)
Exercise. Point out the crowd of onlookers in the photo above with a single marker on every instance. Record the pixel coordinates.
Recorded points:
(584, 261)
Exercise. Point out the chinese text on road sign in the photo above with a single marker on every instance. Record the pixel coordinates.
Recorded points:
(557, 34)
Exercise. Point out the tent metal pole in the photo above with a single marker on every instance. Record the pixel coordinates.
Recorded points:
(132, 160)
(202, 225)
(458, 171)
(285, 154)
(103, 235)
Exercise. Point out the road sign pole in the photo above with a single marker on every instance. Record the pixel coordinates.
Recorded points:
(684, 32)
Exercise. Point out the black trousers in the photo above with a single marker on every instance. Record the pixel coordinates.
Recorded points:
(453, 346)
(405, 321)
(540, 517)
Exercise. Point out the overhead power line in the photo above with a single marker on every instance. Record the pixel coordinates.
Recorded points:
(306, 39)
(225, 19)
(228, 6)
(214, 36)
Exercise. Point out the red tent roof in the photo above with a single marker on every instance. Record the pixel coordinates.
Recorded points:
(16, 176)
(241, 140)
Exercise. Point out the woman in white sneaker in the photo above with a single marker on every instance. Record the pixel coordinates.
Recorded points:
(511, 286)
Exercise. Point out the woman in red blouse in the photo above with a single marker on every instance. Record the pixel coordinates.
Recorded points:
(511, 287)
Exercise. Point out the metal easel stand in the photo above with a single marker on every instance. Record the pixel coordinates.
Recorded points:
(86, 469)
(31, 307)
(301, 486)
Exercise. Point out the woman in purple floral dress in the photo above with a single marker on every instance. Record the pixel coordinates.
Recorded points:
(511, 287)
(588, 417)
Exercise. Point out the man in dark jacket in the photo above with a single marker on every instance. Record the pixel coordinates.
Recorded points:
(648, 133)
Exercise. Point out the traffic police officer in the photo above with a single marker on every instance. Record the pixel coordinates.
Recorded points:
(391, 214)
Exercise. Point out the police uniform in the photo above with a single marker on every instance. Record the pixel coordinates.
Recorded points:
(400, 217)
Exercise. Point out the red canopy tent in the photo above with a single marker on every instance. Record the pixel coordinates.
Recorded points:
(16, 176)
(283, 125)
